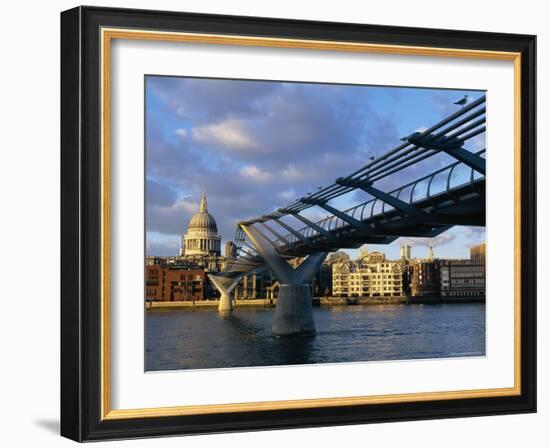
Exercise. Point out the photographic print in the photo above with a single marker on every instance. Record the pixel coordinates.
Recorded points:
(272, 223)
(294, 223)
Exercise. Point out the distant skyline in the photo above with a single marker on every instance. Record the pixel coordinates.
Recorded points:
(255, 146)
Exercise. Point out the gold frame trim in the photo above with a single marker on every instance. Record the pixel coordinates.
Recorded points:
(107, 35)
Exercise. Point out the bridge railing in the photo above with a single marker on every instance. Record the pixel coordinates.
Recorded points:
(368, 209)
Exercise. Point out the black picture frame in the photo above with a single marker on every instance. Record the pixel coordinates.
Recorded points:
(81, 224)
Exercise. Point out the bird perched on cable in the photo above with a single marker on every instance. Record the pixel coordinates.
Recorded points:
(414, 135)
(372, 157)
(462, 101)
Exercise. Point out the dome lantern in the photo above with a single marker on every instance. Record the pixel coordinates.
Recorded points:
(203, 208)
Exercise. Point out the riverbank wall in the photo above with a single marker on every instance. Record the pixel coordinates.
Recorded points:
(447, 299)
(319, 301)
(350, 301)
(258, 303)
(266, 303)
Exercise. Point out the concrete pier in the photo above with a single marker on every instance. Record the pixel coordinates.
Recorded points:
(293, 312)
(225, 285)
(225, 304)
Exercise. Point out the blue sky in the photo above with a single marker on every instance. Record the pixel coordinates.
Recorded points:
(255, 146)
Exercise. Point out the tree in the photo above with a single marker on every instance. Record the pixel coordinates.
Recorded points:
(337, 257)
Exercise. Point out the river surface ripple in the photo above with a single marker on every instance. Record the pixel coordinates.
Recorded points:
(203, 338)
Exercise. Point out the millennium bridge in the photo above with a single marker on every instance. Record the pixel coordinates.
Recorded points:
(453, 195)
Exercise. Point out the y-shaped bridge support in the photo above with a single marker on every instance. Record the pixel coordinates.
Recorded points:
(225, 285)
(293, 312)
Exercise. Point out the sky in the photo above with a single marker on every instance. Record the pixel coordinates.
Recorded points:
(255, 146)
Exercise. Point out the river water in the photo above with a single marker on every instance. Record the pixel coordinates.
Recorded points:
(203, 338)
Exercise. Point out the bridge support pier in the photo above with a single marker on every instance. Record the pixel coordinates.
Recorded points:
(226, 303)
(225, 285)
(294, 311)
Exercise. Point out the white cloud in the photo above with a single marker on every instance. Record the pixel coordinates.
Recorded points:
(474, 234)
(254, 173)
(288, 195)
(162, 244)
(438, 241)
(230, 133)
(477, 143)
(181, 132)
(292, 173)
(171, 219)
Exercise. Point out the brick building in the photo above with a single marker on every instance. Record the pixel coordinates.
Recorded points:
(424, 278)
(173, 283)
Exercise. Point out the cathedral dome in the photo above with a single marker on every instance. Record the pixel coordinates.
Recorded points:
(201, 239)
(203, 220)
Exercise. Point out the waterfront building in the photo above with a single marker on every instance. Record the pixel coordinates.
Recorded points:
(370, 276)
(424, 278)
(321, 283)
(152, 260)
(337, 257)
(478, 252)
(462, 278)
(405, 252)
(183, 277)
(341, 279)
(174, 283)
(374, 258)
(228, 249)
(256, 285)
